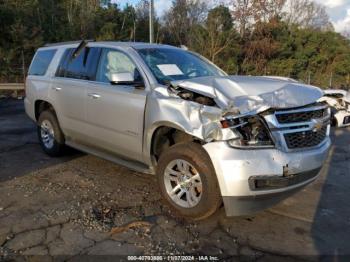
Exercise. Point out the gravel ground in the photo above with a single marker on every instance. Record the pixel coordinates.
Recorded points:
(83, 205)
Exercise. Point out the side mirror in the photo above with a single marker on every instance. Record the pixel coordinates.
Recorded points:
(125, 79)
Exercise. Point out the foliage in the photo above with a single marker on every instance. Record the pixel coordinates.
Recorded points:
(253, 37)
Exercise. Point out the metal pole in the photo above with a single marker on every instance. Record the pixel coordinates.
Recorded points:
(151, 24)
(331, 80)
(134, 30)
(23, 67)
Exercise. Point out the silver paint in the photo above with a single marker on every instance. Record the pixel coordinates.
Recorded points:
(249, 93)
(121, 121)
(47, 134)
(340, 105)
(183, 183)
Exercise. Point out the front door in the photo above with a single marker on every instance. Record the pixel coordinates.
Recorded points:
(115, 113)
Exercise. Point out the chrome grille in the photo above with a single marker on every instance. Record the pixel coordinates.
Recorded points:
(299, 128)
(300, 116)
(306, 138)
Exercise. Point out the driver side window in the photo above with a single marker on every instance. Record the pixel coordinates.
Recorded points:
(112, 62)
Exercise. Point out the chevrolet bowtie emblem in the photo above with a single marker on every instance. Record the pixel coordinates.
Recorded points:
(316, 125)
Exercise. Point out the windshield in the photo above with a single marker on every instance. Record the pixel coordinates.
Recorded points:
(168, 64)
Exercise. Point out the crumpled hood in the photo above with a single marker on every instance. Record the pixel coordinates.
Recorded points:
(248, 93)
(346, 94)
(347, 97)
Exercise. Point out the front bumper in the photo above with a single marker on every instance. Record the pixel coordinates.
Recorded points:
(253, 180)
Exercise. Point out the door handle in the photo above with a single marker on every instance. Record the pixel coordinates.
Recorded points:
(57, 88)
(94, 95)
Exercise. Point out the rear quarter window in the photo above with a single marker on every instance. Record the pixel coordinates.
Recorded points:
(41, 62)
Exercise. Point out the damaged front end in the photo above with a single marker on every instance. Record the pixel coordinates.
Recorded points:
(231, 108)
(228, 114)
(239, 129)
(339, 102)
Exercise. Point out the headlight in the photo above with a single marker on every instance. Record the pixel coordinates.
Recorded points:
(251, 132)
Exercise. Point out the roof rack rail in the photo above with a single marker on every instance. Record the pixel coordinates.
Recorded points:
(67, 43)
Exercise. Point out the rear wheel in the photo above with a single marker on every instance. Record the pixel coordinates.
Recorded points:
(188, 181)
(50, 135)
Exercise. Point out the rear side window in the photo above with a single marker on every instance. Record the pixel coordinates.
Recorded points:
(82, 67)
(41, 62)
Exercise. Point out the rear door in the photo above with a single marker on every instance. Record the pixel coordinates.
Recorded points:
(115, 113)
(69, 89)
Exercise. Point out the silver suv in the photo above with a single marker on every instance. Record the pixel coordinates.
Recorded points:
(247, 142)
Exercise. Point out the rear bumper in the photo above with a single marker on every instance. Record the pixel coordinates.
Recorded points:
(253, 180)
(29, 108)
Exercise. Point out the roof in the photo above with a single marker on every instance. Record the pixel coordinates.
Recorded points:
(133, 44)
(137, 45)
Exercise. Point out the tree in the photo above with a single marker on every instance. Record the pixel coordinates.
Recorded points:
(242, 12)
(254, 37)
(263, 45)
(266, 10)
(308, 14)
(182, 18)
(217, 37)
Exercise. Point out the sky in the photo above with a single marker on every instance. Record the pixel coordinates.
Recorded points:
(159, 5)
(338, 10)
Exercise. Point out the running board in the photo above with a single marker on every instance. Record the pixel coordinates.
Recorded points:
(135, 166)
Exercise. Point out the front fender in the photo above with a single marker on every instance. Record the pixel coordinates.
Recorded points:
(174, 112)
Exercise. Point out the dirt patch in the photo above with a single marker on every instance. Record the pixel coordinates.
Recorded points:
(81, 204)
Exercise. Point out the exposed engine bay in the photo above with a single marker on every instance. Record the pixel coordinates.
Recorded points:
(192, 96)
(339, 102)
(230, 108)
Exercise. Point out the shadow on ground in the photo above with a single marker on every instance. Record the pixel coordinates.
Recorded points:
(314, 222)
(20, 152)
(331, 225)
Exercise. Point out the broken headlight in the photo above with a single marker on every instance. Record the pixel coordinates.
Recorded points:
(251, 131)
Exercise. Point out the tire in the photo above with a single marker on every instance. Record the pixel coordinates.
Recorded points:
(334, 122)
(202, 196)
(50, 134)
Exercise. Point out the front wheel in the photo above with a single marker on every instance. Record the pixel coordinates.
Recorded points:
(188, 182)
